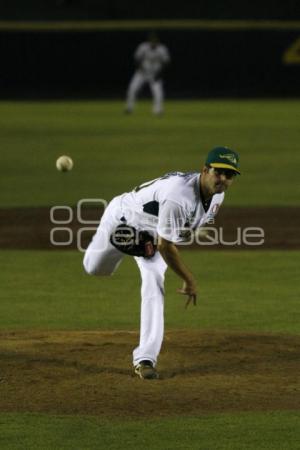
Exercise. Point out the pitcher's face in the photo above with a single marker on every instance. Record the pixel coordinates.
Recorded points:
(216, 181)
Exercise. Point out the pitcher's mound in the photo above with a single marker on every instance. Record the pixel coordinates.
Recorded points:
(200, 372)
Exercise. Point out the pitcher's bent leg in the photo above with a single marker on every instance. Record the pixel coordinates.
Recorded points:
(101, 257)
(152, 308)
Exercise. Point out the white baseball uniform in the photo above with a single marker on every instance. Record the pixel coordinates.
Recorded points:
(151, 60)
(169, 206)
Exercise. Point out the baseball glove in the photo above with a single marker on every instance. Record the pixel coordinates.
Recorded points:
(132, 242)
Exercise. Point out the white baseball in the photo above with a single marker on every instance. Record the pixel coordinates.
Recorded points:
(64, 163)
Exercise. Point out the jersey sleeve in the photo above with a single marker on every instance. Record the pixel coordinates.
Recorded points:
(165, 55)
(139, 53)
(171, 220)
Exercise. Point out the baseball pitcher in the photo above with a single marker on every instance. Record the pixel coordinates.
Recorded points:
(148, 223)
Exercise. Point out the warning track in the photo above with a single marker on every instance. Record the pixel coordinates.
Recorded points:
(30, 228)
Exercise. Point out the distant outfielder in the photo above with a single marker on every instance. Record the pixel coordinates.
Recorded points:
(147, 223)
(151, 58)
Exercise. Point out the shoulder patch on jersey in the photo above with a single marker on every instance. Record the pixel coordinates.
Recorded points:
(212, 214)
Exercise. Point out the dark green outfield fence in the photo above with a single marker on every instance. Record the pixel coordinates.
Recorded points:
(94, 58)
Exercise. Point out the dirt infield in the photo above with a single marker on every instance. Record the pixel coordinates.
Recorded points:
(30, 228)
(90, 373)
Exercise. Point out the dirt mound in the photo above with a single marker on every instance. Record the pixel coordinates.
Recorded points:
(91, 373)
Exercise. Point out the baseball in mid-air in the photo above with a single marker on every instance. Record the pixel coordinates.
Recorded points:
(64, 163)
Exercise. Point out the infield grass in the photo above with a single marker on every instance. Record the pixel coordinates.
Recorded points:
(270, 431)
(240, 290)
(114, 152)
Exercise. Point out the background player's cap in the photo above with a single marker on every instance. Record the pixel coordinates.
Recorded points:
(224, 158)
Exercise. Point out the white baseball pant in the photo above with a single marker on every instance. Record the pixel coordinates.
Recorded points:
(136, 84)
(102, 258)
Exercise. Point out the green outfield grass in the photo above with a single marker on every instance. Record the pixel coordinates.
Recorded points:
(114, 152)
(239, 290)
(276, 431)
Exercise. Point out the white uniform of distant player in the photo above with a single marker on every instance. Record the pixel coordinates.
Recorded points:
(151, 58)
(169, 206)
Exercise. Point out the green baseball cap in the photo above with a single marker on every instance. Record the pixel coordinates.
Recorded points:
(223, 158)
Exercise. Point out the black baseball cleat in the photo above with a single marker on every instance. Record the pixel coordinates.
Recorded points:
(146, 370)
